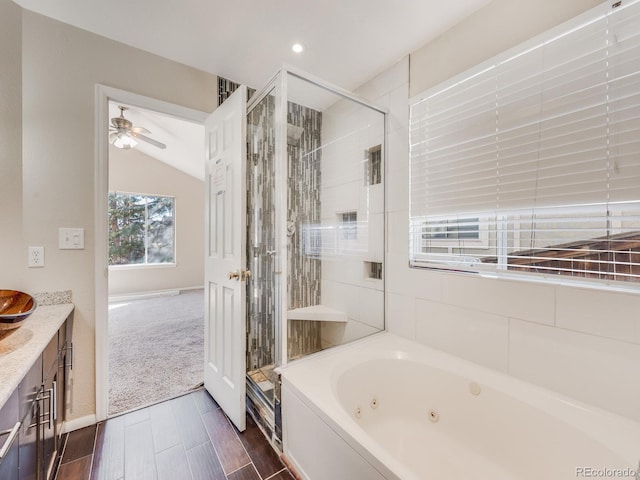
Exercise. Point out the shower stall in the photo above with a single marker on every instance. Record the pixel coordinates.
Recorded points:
(315, 228)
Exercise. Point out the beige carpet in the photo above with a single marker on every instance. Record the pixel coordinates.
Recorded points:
(156, 349)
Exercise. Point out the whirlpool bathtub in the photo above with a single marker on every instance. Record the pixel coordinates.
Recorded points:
(388, 408)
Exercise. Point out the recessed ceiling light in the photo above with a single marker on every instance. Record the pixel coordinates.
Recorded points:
(297, 47)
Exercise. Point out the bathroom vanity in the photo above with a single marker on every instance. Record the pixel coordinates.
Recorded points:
(35, 364)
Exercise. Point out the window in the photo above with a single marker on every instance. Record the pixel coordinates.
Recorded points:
(530, 163)
(141, 229)
(450, 231)
(348, 225)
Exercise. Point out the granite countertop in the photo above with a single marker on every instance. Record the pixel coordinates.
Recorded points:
(21, 348)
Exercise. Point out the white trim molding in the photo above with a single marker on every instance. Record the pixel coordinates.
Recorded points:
(103, 95)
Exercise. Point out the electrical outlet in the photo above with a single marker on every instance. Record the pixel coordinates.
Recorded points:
(36, 257)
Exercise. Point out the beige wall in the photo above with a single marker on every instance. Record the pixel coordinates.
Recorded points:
(12, 253)
(500, 25)
(61, 66)
(132, 171)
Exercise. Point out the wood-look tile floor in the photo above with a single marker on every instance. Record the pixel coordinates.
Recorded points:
(186, 438)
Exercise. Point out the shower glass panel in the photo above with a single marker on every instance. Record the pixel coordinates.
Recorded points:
(315, 228)
(335, 218)
(261, 249)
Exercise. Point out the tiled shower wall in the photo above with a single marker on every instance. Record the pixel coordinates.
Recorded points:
(350, 132)
(261, 234)
(303, 208)
(225, 89)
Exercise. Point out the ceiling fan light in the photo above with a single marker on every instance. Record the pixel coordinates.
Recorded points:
(124, 141)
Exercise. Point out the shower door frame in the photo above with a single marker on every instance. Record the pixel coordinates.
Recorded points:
(278, 85)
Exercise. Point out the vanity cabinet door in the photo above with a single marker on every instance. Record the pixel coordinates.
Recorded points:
(9, 435)
(30, 451)
(39, 403)
(48, 406)
(62, 385)
(29, 387)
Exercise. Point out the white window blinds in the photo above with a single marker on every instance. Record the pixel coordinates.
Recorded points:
(535, 156)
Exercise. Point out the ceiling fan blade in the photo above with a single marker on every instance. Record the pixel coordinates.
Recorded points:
(140, 130)
(148, 140)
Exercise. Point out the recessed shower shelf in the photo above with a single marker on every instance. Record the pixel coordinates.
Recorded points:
(318, 313)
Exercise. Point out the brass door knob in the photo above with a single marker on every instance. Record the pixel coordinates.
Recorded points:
(245, 275)
(235, 275)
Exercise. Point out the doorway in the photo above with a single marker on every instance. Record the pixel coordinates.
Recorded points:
(147, 288)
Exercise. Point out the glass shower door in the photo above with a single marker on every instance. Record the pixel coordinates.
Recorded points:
(261, 251)
(336, 250)
(315, 228)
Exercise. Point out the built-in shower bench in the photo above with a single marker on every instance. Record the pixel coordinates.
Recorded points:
(317, 313)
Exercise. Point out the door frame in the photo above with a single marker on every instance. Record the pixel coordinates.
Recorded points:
(103, 95)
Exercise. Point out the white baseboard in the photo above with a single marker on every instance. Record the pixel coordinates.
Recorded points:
(157, 293)
(78, 423)
(197, 287)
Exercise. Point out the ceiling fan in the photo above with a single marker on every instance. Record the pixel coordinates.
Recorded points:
(122, 133)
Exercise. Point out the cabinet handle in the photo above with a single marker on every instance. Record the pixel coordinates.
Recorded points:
(48, 396)
(8, 443)
(35, 409)
(54, 391)
(72, 356)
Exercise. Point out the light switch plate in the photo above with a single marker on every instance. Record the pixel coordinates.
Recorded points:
(71, 238)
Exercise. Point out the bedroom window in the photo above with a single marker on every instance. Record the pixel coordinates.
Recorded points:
(529, 164)
(141, 229)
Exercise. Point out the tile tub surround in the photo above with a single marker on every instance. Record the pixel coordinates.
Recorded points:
(21, 348)
(584, 343)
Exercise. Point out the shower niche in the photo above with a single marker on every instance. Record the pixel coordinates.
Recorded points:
(315, 227)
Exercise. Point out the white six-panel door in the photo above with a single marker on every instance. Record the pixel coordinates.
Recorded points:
(225, 258)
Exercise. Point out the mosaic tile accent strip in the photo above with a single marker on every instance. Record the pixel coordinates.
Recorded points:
(303, 209)
(53, 298)
(261, 234)
(227, 87)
